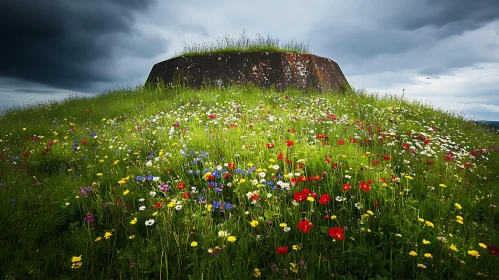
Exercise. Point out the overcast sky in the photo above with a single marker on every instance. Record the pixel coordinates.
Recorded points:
(442, 52)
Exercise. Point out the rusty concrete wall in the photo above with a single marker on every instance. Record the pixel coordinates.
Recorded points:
(265, 69)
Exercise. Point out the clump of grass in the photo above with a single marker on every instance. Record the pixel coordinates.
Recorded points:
(240, 182)
(242, 44)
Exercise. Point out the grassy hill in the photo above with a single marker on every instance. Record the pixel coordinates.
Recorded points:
(240, 183)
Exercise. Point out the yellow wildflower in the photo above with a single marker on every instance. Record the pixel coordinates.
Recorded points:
(254, 223)
(134, 221)
(194, 244)
(283, 225)
(333, 217)
(370, 212)
(131, 237)
(126, 192)
(428, 255)
(473, 253)
(420, 265)
(311, 199)
(293, 267)
(296, 247)
(458, 206)
(482, 245)
(426, 242)
(98, 174)
(442, 185)
(207, 175)
(76, 259)
(257, 273)
(412, 253)
(430, 224)
(421, 220)
(453, 248)
(108, 235)
(231, 238)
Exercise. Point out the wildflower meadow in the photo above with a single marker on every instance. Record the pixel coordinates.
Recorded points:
(243, 183)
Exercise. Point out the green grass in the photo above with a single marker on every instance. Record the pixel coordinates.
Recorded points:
(228, 44)
(212, 165)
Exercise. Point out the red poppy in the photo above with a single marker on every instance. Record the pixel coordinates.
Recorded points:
(336, 233)
(387, 157)
(332, 116)
(254, 196)
(315, 178)
(304, 225)
(301, 196)
(346, 187)
(325, 198)
(282, 250)
(181, 185)
(319, 136)
(493, 250)
(280, 156)
(158, 204)
(186, 195)
(364, 186)
(231, 165)
(289, 143)
(270, 146)
(341, 142)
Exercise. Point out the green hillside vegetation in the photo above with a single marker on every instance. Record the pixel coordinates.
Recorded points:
(242, 182)
(491, 125)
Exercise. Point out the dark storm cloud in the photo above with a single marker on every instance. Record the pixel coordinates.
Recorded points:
(453, 16)
(391, 28)
(68, 43)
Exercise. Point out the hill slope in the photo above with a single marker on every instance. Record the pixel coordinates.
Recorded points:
(178, 183)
